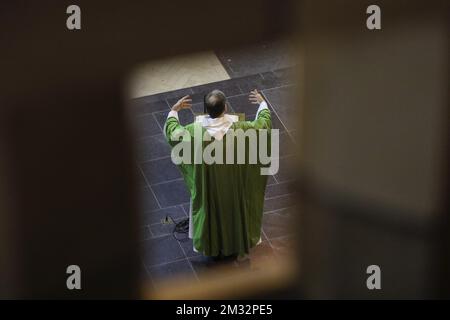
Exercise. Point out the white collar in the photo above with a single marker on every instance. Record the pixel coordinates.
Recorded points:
(217, 127)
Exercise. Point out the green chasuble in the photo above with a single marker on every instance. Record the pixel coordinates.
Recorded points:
(227, 200)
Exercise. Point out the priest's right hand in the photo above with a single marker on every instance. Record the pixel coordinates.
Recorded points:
(255, 97)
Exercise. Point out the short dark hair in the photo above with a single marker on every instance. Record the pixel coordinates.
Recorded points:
(215, 103)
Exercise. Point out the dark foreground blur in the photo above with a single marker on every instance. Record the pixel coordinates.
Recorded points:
(373, 131)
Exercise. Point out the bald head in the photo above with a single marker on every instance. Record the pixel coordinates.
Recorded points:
(215, 103)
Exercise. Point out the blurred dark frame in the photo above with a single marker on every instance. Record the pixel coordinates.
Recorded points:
(67, 183)
(67, 195)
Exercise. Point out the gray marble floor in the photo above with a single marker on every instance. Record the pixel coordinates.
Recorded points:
(257, 58)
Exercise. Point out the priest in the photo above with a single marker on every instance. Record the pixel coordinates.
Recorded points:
(227, 199)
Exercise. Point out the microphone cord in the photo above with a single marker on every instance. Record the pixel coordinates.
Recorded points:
(181, 227)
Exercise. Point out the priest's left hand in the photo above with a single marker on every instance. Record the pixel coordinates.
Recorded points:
(183, 103)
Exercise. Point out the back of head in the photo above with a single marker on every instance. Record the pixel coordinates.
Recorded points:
(215, 103)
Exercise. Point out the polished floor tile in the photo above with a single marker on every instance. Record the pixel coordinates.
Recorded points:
(188, 248)
(148, 201)
(278, 189)
(283, 245)
(202, 265)
(163, 228)
(286, 168)
(139, 178)
(275, 226)
(144, 233)
(279, 202)
(257, 58)
(146, 126)
(241, 104)
(146, 105)
(282, 101)
(160, 170)
(172, 270)
(152, 147)
(157, 251)
(159, 215)
(171, 193)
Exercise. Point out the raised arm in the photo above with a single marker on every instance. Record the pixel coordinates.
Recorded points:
(172, 127)
(263, 119)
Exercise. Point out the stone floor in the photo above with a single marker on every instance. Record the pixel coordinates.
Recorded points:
(163, 192)
(257, 58)
(175, 73)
